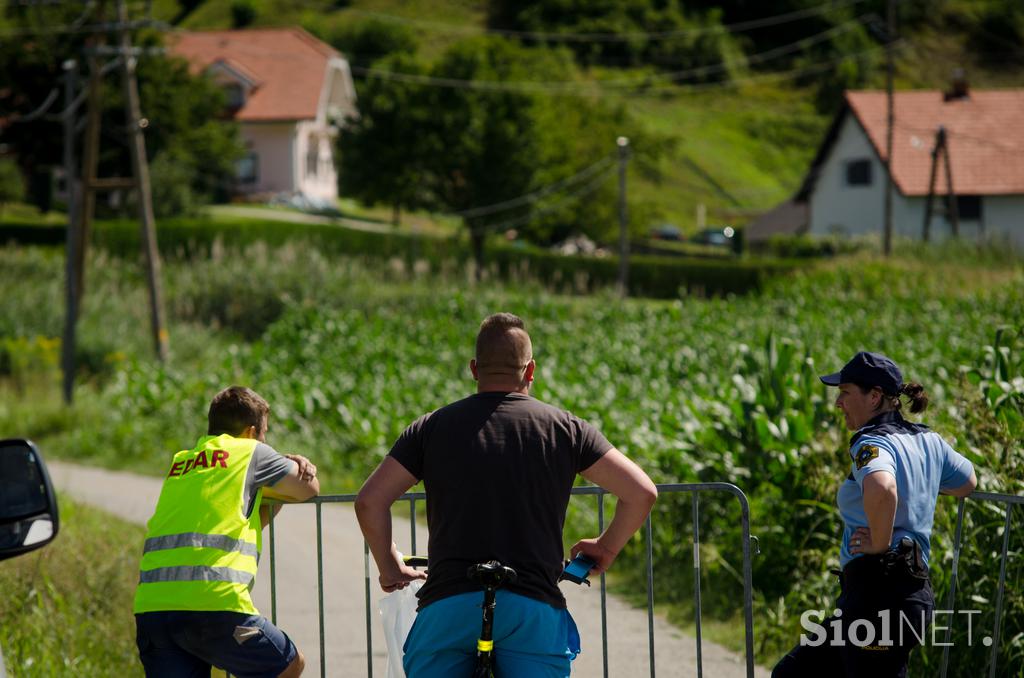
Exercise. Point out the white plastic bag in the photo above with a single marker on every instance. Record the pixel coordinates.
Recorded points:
(398, 612)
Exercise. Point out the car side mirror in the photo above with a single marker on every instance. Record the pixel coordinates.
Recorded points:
(28, 505)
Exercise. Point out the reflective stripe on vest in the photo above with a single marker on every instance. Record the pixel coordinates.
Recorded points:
(201, 550)
(195, 573)
(198, 540)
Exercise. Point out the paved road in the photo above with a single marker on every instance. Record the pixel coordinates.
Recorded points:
(133, 497)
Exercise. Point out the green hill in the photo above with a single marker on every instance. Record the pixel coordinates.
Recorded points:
(739, 147)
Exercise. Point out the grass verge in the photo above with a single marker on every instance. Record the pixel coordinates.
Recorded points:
(66, 608)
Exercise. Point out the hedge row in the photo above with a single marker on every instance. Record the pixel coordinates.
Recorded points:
(653, 276)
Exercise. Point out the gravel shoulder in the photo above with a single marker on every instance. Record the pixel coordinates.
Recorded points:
(132, 497)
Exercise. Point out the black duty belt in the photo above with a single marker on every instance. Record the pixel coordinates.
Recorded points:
(903, 559)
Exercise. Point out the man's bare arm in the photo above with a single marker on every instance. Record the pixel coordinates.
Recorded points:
(386, 484)
(636, 495)
(299, 484)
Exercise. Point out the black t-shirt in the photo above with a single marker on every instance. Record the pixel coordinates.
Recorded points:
(498, 469)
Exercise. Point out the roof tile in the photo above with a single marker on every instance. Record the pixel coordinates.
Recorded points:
(288, 63)
(985, 137)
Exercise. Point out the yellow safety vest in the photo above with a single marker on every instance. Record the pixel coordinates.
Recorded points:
(201, 550)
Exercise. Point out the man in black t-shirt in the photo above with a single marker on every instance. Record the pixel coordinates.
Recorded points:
(498, 468)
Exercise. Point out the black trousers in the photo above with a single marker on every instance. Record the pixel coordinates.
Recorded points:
(873, 588)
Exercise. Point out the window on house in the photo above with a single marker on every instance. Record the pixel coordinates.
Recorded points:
(968, 207)
(858, 172)
(247, 168)
(234, 95)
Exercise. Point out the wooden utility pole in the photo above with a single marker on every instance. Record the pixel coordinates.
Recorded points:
(940, 140)
(890, 122)
(90, 164)
(82, 195)
(67, 347)
(623, 144)
(140, 171)
(952, 212)
(941, 149)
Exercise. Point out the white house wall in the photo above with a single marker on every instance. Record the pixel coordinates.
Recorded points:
(837, 208)
(274, 145)
(1004, 218)
(323, 181)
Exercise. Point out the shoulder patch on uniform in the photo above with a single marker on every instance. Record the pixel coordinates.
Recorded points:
(865, 455)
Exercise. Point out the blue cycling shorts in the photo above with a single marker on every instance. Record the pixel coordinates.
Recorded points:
(531, 638)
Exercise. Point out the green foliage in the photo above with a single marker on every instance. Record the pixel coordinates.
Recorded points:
(349, 351)
(384, 151)
(806, 247)
(183, 110)
(457, 149)
(693, 43)
(12, 185)
(171, 179)
(243, 13)
(365, 42)
(66, 608)
(187, 129)
(652, 276)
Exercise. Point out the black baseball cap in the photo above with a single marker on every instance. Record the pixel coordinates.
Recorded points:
(868, 370)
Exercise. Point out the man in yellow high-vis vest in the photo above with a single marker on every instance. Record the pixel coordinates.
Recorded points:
(193, 608)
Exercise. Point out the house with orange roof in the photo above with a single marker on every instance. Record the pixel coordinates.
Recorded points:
(289, 92)
(844, 191)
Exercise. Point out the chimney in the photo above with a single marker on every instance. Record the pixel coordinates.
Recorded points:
(959, 88)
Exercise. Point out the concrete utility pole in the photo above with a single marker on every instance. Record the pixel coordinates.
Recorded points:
(67, 347)
(891, 120)
(623, 144)
(140, 171)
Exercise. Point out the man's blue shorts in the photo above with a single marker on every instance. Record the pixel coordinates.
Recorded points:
(531, 638)
(187, 644)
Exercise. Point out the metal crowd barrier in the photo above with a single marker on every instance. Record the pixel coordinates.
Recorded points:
(1009, 500)
(694, 489)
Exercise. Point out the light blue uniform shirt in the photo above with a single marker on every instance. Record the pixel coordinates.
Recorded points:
(922, 463)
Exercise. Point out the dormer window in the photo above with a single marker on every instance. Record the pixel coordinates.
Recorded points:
(234, 95)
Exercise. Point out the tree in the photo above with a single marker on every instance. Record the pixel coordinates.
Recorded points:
(485, 143)
(383, 149)
(456, 149)
(12, 186)
(689, 46)
(491, 146)
(368, 41)
(183, 111)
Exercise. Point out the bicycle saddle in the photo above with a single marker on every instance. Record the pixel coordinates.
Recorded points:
(491, 574)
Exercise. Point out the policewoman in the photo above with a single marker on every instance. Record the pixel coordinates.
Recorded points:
(193, 607)
(887, 504)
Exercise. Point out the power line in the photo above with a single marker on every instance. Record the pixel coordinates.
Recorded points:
(538, 194)
(954, 134)
(581, 87)
(584, 190)
(73, 29)
(619, 37)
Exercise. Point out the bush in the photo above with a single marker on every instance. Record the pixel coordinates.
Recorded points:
(12, 184)
(653, 276)
(243, 13)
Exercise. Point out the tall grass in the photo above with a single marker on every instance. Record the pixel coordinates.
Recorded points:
(65, 610)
